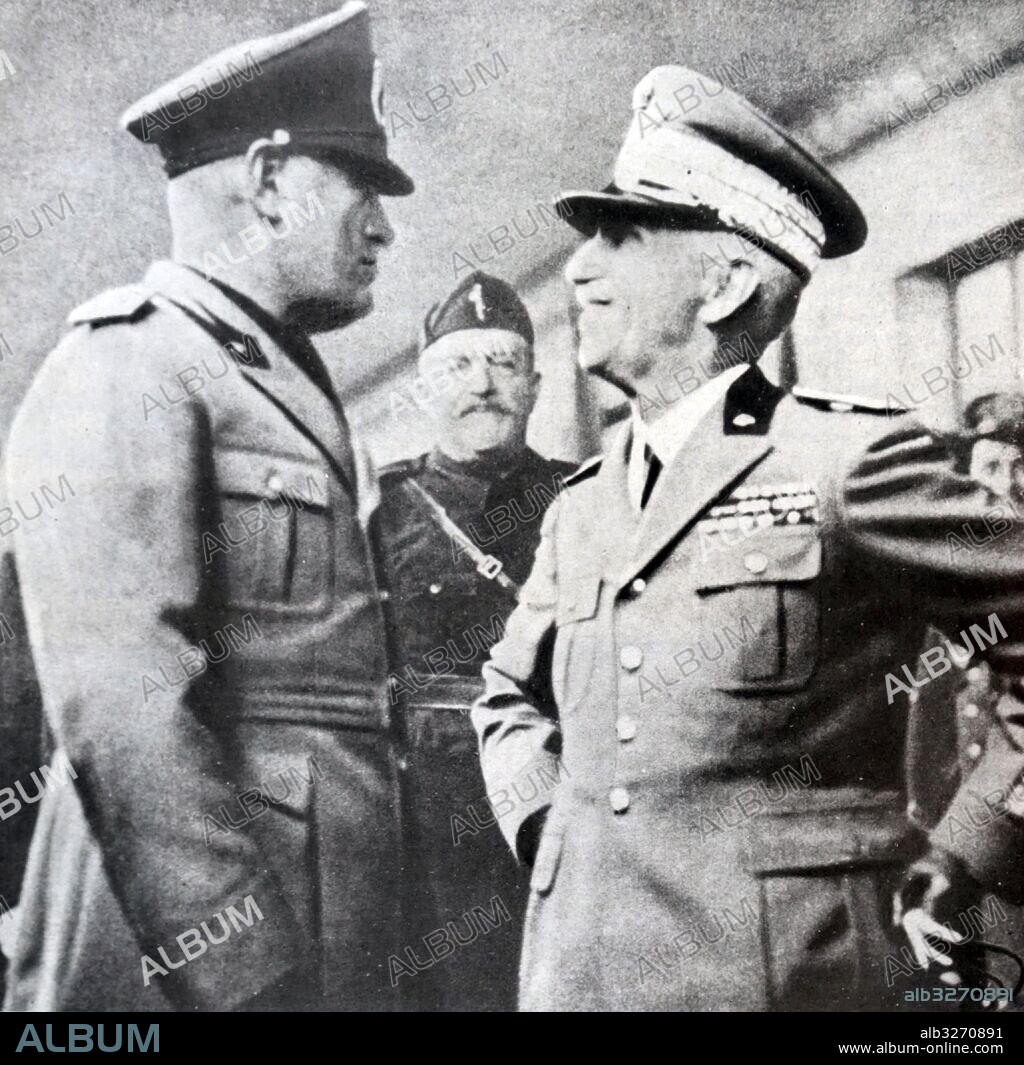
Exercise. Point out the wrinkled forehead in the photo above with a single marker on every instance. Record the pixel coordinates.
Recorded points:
(478, 344)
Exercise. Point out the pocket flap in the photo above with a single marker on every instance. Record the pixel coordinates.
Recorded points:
(549, 854)
(256, 473)
(819, 839)
(778, 555)
(577, 599)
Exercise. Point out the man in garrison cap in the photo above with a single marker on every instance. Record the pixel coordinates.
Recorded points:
(717, 607)
(995, 427)
(204, 610)
(460, 526)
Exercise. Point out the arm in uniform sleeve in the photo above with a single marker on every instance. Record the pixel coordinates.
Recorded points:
(111, 582)
(515, 718)
(906, 506)
(983, 828)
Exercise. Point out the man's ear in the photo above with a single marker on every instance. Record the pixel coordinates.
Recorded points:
(727, 290)
(263, 163)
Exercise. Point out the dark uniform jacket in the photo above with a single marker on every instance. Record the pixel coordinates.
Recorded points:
(731, 816)
(448, 616)
(206, 623)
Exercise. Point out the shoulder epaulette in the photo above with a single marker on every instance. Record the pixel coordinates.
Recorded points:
(588, 469)
(403, 467)
(124, 304)
(835, 401)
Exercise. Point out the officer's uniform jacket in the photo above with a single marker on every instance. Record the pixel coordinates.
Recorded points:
(708, 679)
(205, 618)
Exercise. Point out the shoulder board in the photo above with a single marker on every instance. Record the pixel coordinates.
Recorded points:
(835, 401)
(588, 469)
(123, 304)
(403, 467)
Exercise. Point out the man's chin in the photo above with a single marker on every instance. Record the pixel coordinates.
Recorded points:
(495, 439)
(592, 357)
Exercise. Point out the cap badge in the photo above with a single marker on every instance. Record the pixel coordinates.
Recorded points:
(377, 92)
(476, 297)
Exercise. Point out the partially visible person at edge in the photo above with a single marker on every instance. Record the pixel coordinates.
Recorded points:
(952, 707)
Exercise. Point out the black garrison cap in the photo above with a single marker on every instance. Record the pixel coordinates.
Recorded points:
(479, 301)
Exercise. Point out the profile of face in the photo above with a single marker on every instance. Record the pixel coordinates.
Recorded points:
(482, 388)
(639, 290)
(333, 228)
(999, 466)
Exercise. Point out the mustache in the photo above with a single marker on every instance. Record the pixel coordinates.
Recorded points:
(490, 408)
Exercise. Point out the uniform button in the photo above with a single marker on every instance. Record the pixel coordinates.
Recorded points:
(974, 750)
(275, 482)
(637, 586)
(625, 728)
(631, 657)
(618, 799)
(402, 764)
(756, 562)
(971, 710)
(913, 697)
(974, 674)
(913, 809)
(435, 589)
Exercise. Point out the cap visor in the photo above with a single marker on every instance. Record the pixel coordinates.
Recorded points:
(386, 177)
(585, 211)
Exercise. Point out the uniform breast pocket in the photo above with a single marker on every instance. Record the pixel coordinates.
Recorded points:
(273, 541)
(761, 611)
(575, 649)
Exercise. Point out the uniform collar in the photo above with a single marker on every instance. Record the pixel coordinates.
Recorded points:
(667, 435)
(280, 367)
(482, 470)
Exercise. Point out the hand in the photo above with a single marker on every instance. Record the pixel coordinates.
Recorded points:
(931, 892)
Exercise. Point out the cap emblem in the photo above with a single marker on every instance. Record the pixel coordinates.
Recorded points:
(476, 297)
(377, 92)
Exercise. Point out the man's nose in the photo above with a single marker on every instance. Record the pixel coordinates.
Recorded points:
(378, 228)
(586, 263)
(479, 381)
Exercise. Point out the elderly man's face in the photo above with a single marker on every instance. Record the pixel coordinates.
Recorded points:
(639, 291)
(999, 467)
(483, 388)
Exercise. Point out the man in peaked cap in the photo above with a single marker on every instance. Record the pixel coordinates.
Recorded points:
(714, 608)
(204, 611)
(450, 607)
